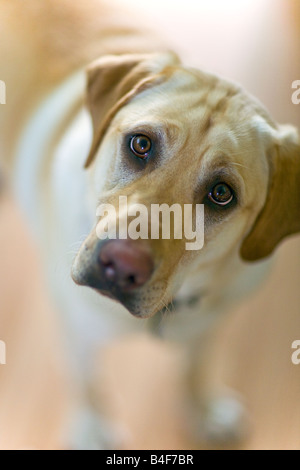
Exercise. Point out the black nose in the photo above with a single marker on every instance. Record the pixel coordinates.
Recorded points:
(126, 264)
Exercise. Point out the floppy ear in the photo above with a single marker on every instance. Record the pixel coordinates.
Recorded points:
(113, 81)
(280, 216)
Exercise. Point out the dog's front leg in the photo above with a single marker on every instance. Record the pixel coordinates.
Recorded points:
(216, 414)
(89, 324)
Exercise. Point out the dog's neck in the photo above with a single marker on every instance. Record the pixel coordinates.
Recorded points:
(39, 139)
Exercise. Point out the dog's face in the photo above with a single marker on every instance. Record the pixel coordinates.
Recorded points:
(165, 134)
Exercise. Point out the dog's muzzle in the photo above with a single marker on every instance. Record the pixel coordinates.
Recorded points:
(115, 268)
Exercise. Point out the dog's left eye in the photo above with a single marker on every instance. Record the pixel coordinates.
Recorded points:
(140, 145)
(221, 194)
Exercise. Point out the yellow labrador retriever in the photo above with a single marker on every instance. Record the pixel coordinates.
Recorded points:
(156, 132)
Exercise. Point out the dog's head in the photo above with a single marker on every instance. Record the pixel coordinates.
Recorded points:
(167, 134)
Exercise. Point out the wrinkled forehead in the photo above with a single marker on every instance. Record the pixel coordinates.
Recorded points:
(200, 106)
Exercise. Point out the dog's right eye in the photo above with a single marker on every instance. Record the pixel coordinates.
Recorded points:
(140, 145)
(221, 194)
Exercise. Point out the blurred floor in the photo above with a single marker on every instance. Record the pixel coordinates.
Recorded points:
(33, 390)
(252, 351)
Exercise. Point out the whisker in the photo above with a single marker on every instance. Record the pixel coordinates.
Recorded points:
(243, 166)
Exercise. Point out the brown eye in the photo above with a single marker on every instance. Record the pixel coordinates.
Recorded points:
(221, 194)
(140, 145)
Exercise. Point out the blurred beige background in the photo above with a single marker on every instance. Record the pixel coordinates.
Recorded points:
(255, 42)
